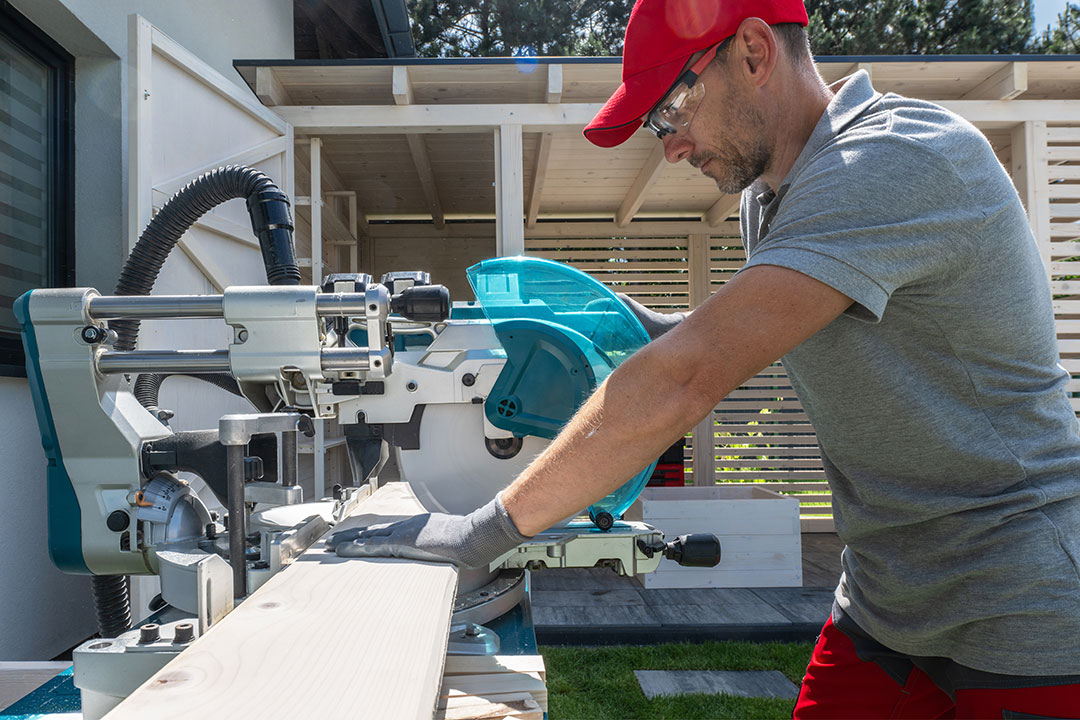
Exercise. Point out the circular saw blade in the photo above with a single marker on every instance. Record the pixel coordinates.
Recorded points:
(453, 472)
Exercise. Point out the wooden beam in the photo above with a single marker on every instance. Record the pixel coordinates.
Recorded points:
(269, 89)
(539, 173)
(1010, 112)
(401, 87)
(722, 209)
(554, 84)
(674, 229)
(384, 660)
(403, 95)
(418, 150)
(646, 178)
(399, 119)
(1004, 84)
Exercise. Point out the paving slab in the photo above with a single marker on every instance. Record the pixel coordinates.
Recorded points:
(808, 605)
(581, 579)
(743, 683)
(638, 616)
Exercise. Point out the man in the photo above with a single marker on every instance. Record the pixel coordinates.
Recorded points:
(891, 265)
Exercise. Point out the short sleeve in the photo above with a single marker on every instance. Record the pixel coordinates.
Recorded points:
(872, 217)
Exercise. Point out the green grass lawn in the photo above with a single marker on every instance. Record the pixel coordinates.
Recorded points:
(599, 684)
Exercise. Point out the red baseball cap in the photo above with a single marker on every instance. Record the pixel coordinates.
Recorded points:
(660, 37)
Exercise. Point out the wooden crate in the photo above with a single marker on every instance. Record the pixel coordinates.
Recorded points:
(758, 529)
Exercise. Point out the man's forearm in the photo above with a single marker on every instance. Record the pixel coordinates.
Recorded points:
(630, 420)
(668, 387)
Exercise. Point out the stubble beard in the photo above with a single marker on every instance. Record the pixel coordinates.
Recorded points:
(734, 169)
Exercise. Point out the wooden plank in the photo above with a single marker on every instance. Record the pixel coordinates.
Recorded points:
(422, 163)
(648, 175)
(436, 118)
(722, 209)
(1004, 84)
(305, 622)
(494, 684)
(316, 211)
(18, 679)
(489, 664)
(509, 191)
(554, 83)
(539, 173)
(652, 229)
(212, 79)
(520, 706)
(269, 89)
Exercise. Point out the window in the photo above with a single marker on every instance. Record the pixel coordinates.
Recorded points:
(36, 171)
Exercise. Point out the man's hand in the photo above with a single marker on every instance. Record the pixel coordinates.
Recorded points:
(655, 323)
(472, 540)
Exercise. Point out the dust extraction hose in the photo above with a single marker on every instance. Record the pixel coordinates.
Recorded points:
(272, 225)
(270, 221)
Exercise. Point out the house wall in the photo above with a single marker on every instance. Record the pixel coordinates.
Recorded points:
(43, 612)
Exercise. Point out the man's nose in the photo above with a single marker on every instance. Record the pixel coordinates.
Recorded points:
(676, 147)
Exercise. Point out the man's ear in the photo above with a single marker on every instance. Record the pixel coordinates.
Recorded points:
(755, 51)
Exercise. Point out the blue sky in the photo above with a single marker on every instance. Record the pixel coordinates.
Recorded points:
(1046, 12)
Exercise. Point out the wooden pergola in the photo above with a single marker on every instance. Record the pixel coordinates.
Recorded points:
(437, 164)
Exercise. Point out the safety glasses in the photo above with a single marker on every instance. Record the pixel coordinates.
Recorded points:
(676, 109)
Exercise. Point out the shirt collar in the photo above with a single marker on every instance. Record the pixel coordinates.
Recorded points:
(852, 96)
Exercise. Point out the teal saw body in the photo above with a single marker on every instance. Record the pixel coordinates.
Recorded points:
(563, 333)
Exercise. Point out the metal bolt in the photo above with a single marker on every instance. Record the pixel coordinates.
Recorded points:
(468, 379)
(411, 386)
(242, 336)
(92, 334)
(149, 633)
(472, 630)
(185, 633)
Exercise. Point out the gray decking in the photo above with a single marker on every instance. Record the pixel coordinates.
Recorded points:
(596, 606)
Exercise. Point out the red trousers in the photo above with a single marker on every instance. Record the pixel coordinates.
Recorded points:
(840, 686)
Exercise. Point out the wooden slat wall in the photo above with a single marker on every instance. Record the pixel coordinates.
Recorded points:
(1063, 198)
(761, 433)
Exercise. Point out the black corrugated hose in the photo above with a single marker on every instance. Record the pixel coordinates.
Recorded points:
(270, 221)
(113, 604)
(272, 225)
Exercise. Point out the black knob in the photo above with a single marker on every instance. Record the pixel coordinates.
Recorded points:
(603, 520)
(423, 303)
(697, 550)
(118, 521)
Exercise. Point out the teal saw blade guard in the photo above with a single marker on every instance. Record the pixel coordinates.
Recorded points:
(563, 333)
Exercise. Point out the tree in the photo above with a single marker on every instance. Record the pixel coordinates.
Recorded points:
(1065, 37)
(478, 28)
(923, 27)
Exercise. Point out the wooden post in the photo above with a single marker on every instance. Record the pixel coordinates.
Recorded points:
(1030, 175)
(704, 443)
(316, 211)
(509, 192)
(354, 228)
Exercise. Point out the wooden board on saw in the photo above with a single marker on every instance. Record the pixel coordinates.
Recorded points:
(327, 637)
(479, 687)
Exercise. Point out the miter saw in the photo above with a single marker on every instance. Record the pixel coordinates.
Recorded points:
(464, 395)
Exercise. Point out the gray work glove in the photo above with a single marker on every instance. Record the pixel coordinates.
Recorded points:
(656, 324)
(472, 540)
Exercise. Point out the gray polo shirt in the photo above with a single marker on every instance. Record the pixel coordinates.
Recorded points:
(945, 429)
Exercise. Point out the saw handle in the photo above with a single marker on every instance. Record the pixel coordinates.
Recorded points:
(696, 550)
(423, 303)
